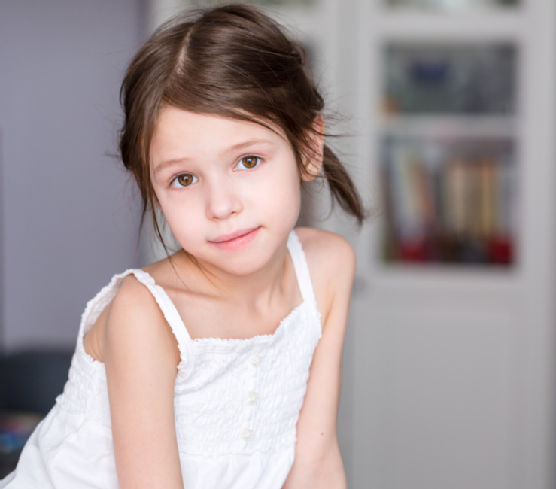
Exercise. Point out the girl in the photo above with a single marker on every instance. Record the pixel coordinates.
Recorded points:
(219, 366)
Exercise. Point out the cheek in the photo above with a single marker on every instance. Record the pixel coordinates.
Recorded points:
(283, 198)
(182, 218)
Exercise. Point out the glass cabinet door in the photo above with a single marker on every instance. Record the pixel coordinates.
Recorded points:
(453, 79)
(448, 158)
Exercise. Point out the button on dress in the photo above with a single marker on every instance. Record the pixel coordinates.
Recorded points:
(237, 402)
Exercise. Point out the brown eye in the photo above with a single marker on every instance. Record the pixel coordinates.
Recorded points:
(183, 180)
(249, 162)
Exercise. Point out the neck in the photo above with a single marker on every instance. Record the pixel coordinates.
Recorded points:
(252, 289)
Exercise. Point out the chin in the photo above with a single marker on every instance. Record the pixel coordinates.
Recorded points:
(250, 262)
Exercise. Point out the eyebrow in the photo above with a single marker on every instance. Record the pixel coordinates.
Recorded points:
(231, 149)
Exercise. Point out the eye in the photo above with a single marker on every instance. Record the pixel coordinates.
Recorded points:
(248, 162)
(183, 180)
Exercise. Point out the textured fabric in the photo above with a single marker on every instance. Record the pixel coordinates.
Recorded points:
(237, 403)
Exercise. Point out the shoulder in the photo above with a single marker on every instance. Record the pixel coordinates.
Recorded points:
(132, 292)
(135, 322)
(327, 252)
(331, 262)
(134, 301)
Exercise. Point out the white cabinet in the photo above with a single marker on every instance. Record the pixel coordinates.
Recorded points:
(453, 358)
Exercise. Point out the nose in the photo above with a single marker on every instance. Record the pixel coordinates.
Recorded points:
(223, 199)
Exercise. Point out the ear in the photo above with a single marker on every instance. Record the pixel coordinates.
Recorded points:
(313, 164)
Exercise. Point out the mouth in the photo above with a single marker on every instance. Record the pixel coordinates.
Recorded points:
(236, 239)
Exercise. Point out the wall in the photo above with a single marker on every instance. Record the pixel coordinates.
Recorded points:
(69, 213)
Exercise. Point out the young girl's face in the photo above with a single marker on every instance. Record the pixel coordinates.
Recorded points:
(229, 189)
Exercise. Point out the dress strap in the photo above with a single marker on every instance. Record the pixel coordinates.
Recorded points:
(166, 306)
(301, 268)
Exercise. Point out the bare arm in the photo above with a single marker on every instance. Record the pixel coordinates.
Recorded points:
(318, 463)
(141, 356)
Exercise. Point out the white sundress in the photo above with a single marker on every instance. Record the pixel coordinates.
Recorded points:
(237, 403)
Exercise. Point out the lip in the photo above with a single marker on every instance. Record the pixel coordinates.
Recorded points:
(236, 239)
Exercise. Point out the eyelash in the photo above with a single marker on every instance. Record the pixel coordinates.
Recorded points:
(174, 181)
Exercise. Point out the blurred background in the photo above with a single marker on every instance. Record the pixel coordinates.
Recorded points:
(449, 113)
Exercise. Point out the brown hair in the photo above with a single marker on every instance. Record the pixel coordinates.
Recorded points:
(230, 61)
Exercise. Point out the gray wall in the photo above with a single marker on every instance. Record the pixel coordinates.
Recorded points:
(69, 213)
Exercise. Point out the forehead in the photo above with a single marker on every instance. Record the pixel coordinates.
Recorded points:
(179, 131)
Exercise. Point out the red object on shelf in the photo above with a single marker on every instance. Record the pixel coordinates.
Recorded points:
(501, 250)
(414, 251)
